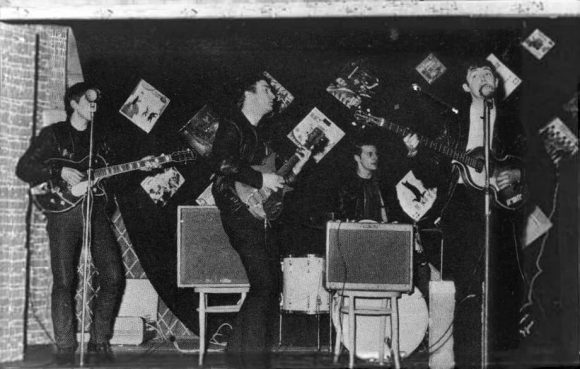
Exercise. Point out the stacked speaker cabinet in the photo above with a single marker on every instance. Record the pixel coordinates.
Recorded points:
(369, 256)
(204, 254)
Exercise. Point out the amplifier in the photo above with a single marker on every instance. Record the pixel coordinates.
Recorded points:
(369, 256)
(204, 254)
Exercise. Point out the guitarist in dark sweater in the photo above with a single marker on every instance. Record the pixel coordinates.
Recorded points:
(237, 151)
(463, 224)
(69, 140)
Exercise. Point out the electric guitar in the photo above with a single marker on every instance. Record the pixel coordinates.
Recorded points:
(58, 196)
(470, 164)
(266, 204)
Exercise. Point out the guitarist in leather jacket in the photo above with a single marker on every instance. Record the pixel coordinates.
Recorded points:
(236, 148)
(463, 225)
(70, 140)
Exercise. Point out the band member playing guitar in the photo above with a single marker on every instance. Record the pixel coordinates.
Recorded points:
(46, 160)
(463, 224)
(238, 147)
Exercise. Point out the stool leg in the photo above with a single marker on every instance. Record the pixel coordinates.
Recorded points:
(382, 327)
(351, 332)
(280, 331)
(338, 337)
(202, 316)
(318, 332)
(395, 331)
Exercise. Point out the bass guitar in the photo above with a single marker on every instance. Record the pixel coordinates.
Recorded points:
(58, 196)
(266, 204)
(470, 164)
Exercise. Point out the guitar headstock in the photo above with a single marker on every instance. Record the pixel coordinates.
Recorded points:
(183, 156)
(366, 118)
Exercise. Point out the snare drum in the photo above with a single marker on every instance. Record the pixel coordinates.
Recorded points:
(303, 286)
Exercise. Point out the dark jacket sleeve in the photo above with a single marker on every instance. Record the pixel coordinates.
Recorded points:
(227, 156)
(32, 167)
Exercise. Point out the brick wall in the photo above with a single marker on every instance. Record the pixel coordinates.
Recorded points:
(52, 58)
(17, 50)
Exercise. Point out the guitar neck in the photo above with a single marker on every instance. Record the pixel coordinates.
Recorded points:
(128, 167)
(447, 150)
(288, 165)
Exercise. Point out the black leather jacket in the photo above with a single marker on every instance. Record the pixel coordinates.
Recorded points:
(59, 140)
(237, 146)
(355, 202)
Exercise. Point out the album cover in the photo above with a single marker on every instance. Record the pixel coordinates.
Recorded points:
(509, 78)
(431, 68)
(354, 83)
(316, 120)
(414, 198)
(200, 130)
(283, 97)
(162, 186)
(144, 106)
(559, 141)
(538, 44)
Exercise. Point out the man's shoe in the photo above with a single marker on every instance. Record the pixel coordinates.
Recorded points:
(64, 356)
(100, 353)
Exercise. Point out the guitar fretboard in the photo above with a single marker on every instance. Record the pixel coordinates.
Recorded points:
(461, 157)
(128, 167)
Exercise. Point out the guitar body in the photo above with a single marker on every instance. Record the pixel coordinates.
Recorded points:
(263, 204)
(511, 197)
(57, 196)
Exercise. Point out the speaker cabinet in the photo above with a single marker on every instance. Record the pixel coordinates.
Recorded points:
(204, 254)
(369, 256)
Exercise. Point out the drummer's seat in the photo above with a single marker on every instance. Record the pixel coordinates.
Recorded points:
(390, 307)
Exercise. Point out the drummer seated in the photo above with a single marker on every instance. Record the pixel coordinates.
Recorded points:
(360, 197)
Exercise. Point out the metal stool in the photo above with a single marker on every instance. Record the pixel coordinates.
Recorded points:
(204, 309)
(389, 309)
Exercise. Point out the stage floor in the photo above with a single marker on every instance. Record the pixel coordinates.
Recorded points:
(163, 354)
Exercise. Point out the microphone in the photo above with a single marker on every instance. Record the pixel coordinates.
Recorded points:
(93, 95)
(415, 87)
(487, 91)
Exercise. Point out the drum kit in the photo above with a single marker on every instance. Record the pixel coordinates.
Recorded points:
(304, 292)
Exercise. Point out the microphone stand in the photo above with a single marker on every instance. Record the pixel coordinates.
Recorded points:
(487, 107)
(88, 202)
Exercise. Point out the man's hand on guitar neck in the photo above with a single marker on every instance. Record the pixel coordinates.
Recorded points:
(507, 177)
(412, 143)
(304, 155)
(272, 181)
(71, 176)
(150, 164)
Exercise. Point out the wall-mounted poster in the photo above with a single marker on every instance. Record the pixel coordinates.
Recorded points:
(538, 44)
(144, 106)
(283, 97)
(162, 186)
(316, 120)
(431, 68)
(509, 78)
(353, 84)
(199, 131)
(559, 141)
